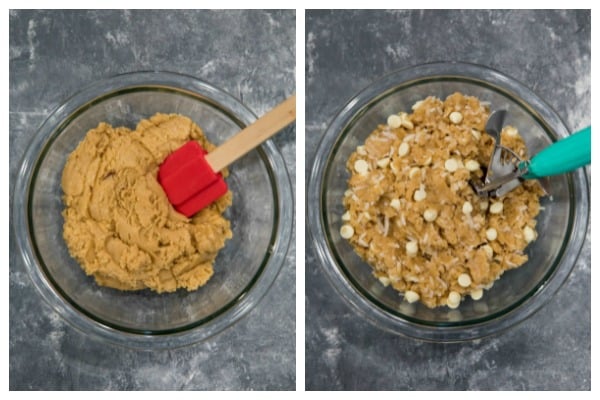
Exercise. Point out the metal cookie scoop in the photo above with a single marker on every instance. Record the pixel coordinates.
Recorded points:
(506, 170)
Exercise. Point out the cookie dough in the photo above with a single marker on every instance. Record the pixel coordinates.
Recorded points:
(413, 216)
(118, 222)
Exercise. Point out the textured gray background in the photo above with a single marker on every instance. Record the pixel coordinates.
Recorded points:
(550, 53)
(52, 55)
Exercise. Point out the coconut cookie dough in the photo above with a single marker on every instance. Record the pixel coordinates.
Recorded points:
(413, 216)
(118, 222)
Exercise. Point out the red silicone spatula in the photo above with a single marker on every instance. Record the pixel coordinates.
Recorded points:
(190, 176)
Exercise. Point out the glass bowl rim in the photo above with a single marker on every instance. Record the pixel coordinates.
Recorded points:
(352, 110)
(269, 154)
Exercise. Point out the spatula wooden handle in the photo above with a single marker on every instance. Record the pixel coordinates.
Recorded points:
(253, 135)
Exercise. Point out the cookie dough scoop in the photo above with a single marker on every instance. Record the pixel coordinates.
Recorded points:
(190, 176)
(507, 170)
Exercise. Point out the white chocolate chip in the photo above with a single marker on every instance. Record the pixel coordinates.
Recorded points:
(472, 165)
(413, 171)
(456, 117)
(496, 208)
(348, 193)
(395, 204)
(361, 166)
(412, 248)
(384, 281)
(467, 208)
(453, 299)
(411, 296)
(361, 150)
(529, 234)
(476, 134)
(417, 104)
(477, 294)
(464, 280)
(407, 123)
(451, 165)
(483, 205)
(346, 216)
(403, 149)
(419, 195)
(491, 234)
(346, 231)
(394, 121)
(510, 131)
(383, 162)
(430, 215)
(489, 252)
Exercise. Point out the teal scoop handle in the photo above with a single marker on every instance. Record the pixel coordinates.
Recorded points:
(563, 156)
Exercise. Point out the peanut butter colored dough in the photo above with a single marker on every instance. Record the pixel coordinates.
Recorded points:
(118, 222)
(412, 215)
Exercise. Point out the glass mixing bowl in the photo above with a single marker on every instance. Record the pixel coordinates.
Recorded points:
(260, 216)
(519, 293)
